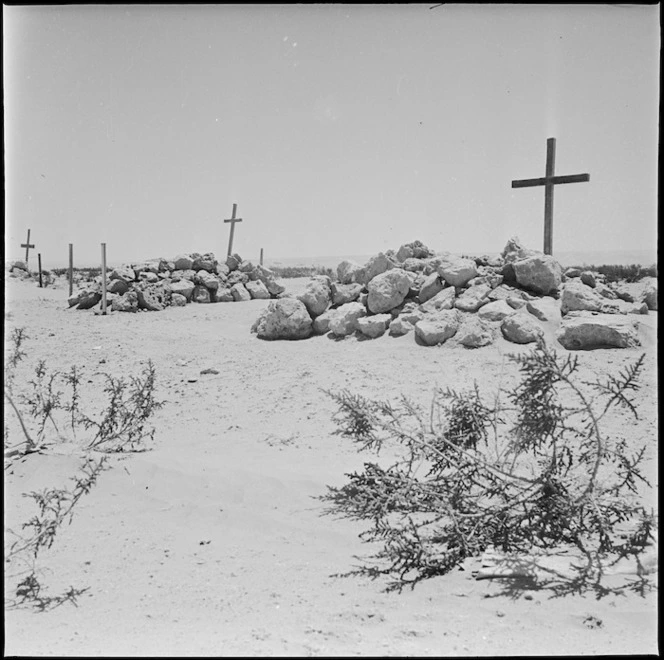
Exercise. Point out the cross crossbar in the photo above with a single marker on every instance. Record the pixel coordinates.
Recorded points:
(570, 178)
(548, 181)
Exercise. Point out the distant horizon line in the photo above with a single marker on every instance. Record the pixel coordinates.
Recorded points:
(642, 256)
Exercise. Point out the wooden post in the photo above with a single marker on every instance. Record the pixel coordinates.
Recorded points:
(71, 268)
(232, 220)
(40, 272)
(103, 278)
(27, 245)
(261, 256)
(548, 182)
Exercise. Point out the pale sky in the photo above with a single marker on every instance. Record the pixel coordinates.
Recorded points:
(337, 129)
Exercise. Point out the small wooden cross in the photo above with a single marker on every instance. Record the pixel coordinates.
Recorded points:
(232, 220)
(27, 245)
(548, 181)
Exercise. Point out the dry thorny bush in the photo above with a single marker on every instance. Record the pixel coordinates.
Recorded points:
(534, 468)
(122, 425)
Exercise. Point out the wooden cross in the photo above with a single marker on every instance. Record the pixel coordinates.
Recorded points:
(232, 220)
(27, 245)
(548, 181)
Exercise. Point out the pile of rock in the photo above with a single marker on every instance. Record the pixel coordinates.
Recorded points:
(159, 283)
(19, 270)
(440, 297)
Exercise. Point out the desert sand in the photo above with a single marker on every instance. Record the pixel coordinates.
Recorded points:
(212, 542)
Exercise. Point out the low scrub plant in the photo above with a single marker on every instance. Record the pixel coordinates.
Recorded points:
(55, 508)
(619, 272)
(286, 272)
(531, 468)
(51, 401)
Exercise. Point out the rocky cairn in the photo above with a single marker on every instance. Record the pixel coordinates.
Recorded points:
(160, 283)
(521, 295)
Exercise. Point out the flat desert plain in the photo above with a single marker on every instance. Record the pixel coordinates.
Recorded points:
(213, 543)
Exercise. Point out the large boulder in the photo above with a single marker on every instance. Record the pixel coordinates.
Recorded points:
(151, 266)
(321, 324)
(267, 277)
(586, 331)
(257, 290)
(377, 265)
(348, 272)
(605, 291)
(19, 265)
(437, 328)
(416, 250)
(20, 273)
(240, 293)
(222, 294)
(204, 262)
(514, 250)
(237, 277)
(344, 321)
(387, 290)
(650, 294)
(540, 273)
(441, 301)
(506, 292)
(124, 274)
(201, 294)
(117, 286)
(588, 278)
(544, 309)
(344, 293)
(577, 296)
(623, 293)
(183, 262)
(316, 296)
(207, 279)
(432, 285)
(400, 326)
(148, 277)
(457, 271)
(474, 333)
(473, 298)
(125, 303)
(153, 298)
(183, 287)
(373, 326)
(222, 270)
(286, 318)
(495, 311)
(521, 328)
(233, 262)
(415, 265)
(88, 298)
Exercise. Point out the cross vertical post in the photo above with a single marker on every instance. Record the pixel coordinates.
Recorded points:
(232, 220)
(27, 245)
(71, 268)
(261, 256)
(548, 182)
(103, 278)
(548, 195)
(40, 271)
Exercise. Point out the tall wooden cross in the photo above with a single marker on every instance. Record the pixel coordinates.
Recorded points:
(27, 245)
(232, 220)
(548, 181)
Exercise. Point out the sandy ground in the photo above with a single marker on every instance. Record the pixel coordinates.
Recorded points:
(212, 543)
